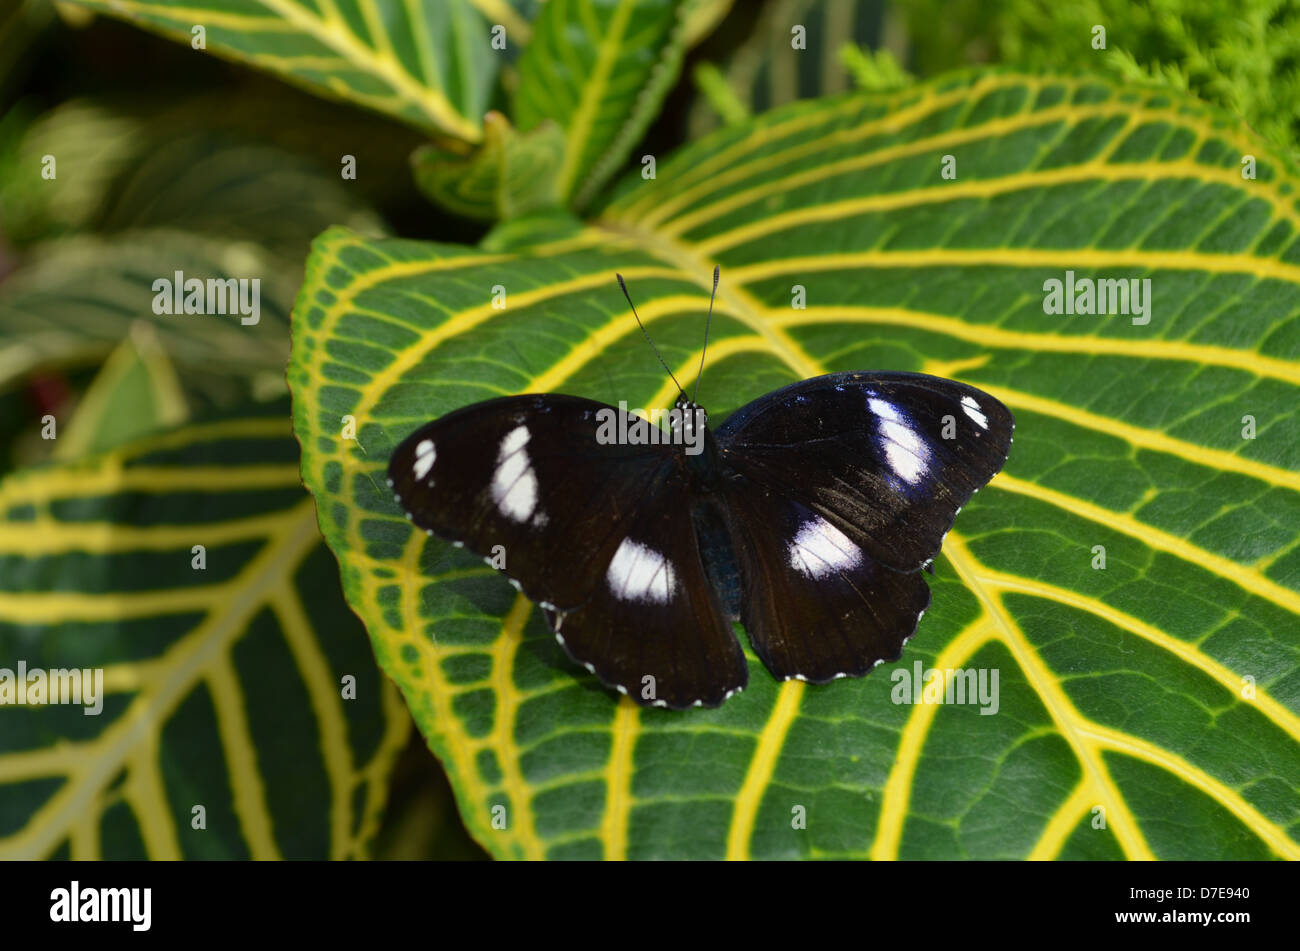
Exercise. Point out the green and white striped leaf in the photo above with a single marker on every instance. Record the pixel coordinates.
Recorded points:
(222, 687)
(135, 393)
(205, 203)
(510, 175)
(1150, 708)
(76, 299)
(598, 69)
(200, 164)
(426, 62)
(589, 82)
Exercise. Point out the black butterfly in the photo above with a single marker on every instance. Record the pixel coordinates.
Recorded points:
(808, 517)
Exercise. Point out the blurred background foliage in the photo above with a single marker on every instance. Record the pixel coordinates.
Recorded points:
(171, 159)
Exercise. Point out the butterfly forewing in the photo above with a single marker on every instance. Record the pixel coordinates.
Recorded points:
(887, 458)
(527, 473)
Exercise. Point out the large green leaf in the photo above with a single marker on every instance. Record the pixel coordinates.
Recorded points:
(427, 62)
(1161, 692)
(222, 686)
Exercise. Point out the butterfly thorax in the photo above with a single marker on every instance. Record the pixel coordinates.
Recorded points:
(701, 455)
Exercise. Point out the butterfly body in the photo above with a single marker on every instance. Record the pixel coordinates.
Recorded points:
(807, 517)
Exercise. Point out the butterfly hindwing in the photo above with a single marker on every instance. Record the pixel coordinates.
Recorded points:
(816, 605)
(655, 628)
(887, 458)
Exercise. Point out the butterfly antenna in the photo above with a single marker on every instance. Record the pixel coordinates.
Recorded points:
(707, 320)
(647, 335)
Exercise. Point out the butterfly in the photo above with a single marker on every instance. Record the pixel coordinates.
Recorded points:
(808, 517)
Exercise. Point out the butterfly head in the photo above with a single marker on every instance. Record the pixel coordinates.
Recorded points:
(689, 422)
(689, 412)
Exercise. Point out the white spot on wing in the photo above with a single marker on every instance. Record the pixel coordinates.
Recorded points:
(514, 486)
(904, 451)
(884, 409)
(972, 409)
(819, 549)
(638, 573)
(515, 440)
(906, 454)
(424, 456)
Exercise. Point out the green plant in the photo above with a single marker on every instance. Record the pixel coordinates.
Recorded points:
(1243, 56)
(1133, 575)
